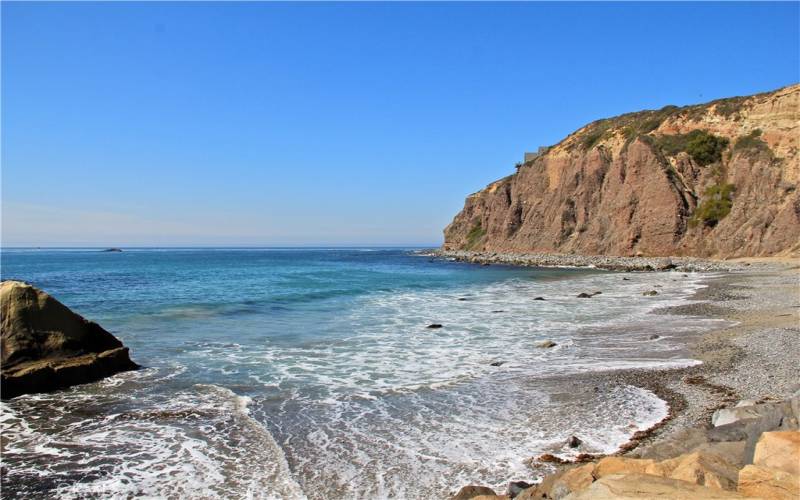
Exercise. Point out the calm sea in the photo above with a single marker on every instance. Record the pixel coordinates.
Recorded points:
(294, 373)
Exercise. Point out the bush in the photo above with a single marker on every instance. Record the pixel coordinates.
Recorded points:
(752, 143)
(592, 138)
(704, 148)
(716, 204)
(475, 234)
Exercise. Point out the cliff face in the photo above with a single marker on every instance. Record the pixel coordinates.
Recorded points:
(713, 180)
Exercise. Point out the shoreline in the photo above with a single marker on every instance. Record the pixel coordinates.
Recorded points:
(752, 357)
(608, 263)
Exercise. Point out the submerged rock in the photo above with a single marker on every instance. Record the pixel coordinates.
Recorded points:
(434, 325)
(574, 442)
(650, 293)
(46, 346)
(546, 344)
(539, 298)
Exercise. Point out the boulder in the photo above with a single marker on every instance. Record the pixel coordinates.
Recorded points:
(629, 486)
(538, 298)
(779, 450)
(577, 479)
(434, 325)
(621, 465)
(764, 482)
(46, 346)
(574, 442)
(471, 491)
(517, 487)
(546, 344)
(650, 293)
(703, 468)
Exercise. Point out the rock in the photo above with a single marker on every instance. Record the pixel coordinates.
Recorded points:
(576, 479)
(517, 487)
(777, 411)
(463, 298)
(541, 490)
(584, 295)
(574, 442)
(746, 402)
(46, 346)
(763, 482)
(434, 325)
(546, 344)
(539, 298)
(650, 293)
(653, 337)
(703, 468)
(497, 363)
(616, 465)
(112, 250)
(468, 492)
(779, 450)
(498, 311)
(645, 486)
(626, 279)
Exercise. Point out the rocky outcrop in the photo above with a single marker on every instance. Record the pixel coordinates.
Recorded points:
(718, 465)
(46, 346)
(712, 180)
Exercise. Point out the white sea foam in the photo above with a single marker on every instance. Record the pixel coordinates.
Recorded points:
(392, 409)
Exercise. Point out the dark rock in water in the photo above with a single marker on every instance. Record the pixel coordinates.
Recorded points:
(539, 298)
(468, 492)
(516, 487)
(112, 250)
(654, 337)
(497, 363)
(650, 293)
(546, 344)
(498, 311)
(463, 298)
(626, 279)
(46, 346)
(574, 442)
(434, 325)
(584, 295)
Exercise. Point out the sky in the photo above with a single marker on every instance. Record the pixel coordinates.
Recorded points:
(228, 124)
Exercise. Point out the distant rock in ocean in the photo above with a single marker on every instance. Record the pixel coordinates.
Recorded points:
(112, 250)
(46, 346)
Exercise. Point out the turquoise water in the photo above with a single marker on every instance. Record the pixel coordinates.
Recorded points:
(291, 373)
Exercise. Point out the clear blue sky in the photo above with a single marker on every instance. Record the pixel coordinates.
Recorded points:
(331, 123)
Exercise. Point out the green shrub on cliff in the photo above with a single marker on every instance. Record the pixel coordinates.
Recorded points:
(474, 235)
(715, 205)
(704, 148)
(752, 144)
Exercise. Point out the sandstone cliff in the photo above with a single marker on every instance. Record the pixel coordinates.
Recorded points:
(46, 346)
(713, 180)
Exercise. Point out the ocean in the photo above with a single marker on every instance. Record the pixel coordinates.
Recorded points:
(311, 373)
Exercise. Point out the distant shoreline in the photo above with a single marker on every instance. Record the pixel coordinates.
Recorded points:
(609, 263)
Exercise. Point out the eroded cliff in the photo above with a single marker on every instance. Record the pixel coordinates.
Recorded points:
(713, 180)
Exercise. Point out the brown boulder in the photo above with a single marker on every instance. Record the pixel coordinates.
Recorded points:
(705, 469)
(470, 492)
(779, 450)
(621, 465)
(46, 346)
(576, 479)
(624, 486)
(764, 482)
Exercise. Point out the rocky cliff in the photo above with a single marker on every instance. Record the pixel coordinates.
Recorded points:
(713, 180)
